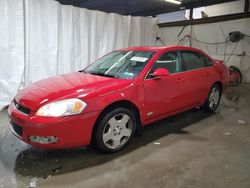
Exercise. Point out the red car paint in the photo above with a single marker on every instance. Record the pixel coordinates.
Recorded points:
(186, 90)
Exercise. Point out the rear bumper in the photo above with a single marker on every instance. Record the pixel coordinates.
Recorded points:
(70, 131)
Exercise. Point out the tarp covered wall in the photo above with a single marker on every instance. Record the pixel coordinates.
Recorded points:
(11, 48)
(215, 33)
(61, 39)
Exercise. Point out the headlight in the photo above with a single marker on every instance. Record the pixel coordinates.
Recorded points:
(62, 108)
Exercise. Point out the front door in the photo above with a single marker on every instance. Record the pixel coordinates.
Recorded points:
(163, 95)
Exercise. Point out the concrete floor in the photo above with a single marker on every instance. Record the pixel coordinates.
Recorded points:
(192, 149)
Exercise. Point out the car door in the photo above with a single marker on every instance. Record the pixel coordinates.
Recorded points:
(197, 72)
(163, 96)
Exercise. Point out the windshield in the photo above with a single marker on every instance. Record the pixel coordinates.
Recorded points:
(120, 64)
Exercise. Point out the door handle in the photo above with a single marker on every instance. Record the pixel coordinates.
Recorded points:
(180, 80)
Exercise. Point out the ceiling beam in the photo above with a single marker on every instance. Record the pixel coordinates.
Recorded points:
(207, 20)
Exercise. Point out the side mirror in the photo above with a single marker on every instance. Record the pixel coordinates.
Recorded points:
(218, 61)
(160, 72)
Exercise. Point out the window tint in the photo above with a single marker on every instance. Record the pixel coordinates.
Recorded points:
(206, 60)
(194, 60)
(170, 61)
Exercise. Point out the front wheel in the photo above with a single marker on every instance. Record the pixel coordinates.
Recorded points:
(115, 130)
(213, 100)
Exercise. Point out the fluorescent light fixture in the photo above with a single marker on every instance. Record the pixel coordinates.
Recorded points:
(174, 1)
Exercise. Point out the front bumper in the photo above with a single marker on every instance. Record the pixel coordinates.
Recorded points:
(70, 131)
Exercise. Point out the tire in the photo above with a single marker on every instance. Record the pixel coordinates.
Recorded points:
(115, 130)
(213, 99)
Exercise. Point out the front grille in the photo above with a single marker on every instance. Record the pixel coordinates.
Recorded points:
(21, 108)
(17, 129)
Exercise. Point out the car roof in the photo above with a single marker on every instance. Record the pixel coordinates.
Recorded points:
(159, 48)
(164, 48)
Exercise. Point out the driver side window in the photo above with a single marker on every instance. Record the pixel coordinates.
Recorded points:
(169, 61)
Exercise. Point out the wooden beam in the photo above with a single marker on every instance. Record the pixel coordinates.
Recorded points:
(191, 14)
(246, 6)
(207, 20)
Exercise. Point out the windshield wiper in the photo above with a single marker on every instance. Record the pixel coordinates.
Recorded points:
(83, 70)
(111, 76)
(101, 74)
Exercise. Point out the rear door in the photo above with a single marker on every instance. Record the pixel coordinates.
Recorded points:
(197, 73)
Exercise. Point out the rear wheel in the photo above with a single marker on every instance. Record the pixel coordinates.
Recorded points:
(115, 130)
(213, 100)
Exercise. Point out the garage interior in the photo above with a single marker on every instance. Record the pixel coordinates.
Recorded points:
(40, 39)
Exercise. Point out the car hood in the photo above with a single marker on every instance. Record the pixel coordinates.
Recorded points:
(73, 85)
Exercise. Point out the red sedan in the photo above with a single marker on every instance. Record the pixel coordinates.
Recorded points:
(113, 98)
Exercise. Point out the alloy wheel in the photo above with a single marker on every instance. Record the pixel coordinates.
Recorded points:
(214, 98)
(117, 131)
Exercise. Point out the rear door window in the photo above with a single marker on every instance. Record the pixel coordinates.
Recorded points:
(194, 60)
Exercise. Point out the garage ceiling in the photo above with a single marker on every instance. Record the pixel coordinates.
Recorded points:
(138, 7)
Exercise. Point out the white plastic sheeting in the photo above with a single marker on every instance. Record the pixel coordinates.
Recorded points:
(214, 33)
(60, 39)
(11, 48)
(63, 39)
